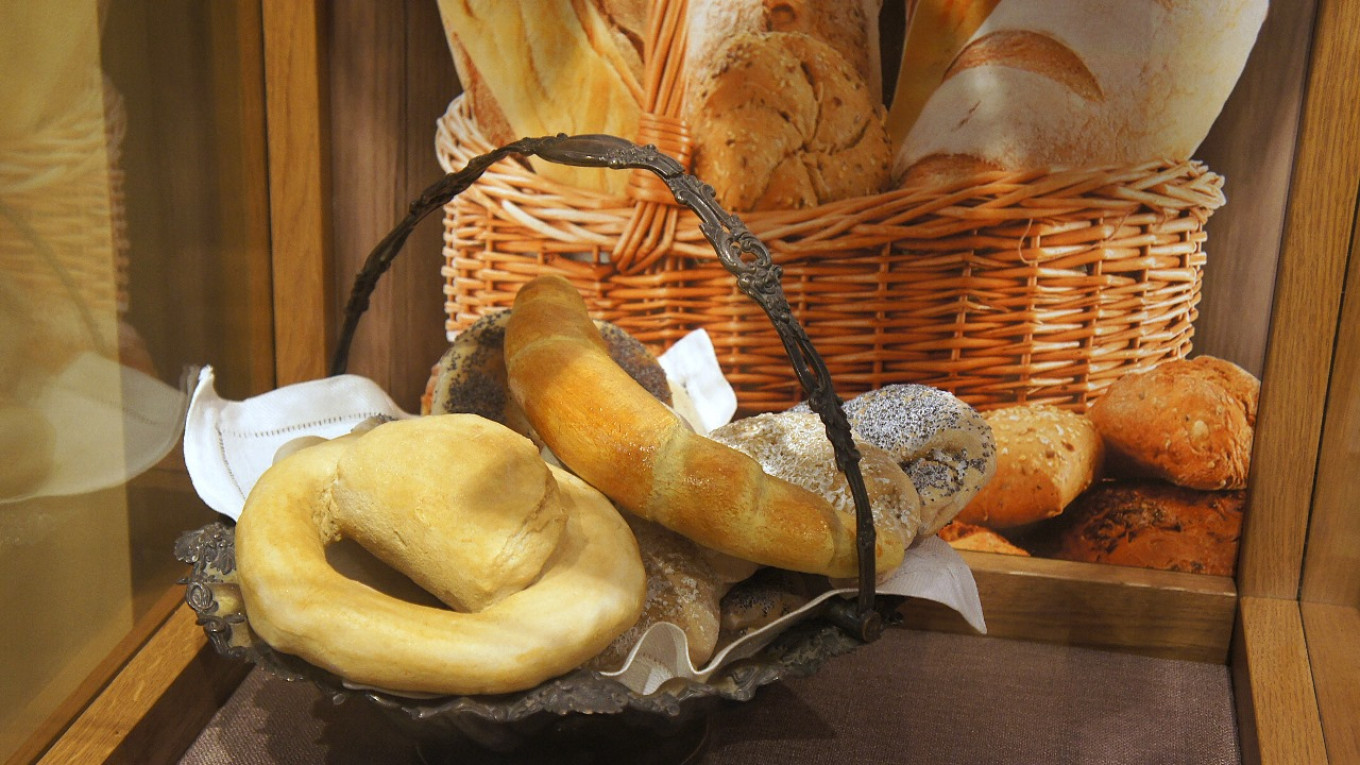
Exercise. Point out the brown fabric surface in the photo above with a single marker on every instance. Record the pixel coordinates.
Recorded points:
(911, 697)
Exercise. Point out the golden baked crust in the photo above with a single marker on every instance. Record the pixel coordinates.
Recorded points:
(966, 536)
(784, 122)
(470, 376)
(1187, 422)
(1045, 457)
(463, 506)
(1155, 525)
(589, 590)
(608, 430)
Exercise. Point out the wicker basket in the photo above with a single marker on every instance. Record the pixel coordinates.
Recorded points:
(1003, 288)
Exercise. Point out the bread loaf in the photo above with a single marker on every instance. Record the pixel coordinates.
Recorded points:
(850, 27)
(551, 67)
(1045, 457)
(1187, 422)
(1082, 83)
(784, 122)
(1155, 525)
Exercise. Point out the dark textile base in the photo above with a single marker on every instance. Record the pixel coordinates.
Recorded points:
(912, 697)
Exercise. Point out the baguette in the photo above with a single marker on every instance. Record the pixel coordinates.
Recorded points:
(554, 67)
(621, 440)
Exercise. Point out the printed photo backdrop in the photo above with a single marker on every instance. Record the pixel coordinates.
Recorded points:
(1004, 199)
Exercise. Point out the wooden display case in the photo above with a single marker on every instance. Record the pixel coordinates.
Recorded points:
(351, 93)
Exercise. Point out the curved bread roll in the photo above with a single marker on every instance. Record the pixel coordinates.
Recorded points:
(612, 433)
(1045, 457)
(1083, 83)
(785, 123)
(1187, 422)
(470, 376)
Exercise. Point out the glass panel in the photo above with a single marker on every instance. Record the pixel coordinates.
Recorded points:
(133, 243)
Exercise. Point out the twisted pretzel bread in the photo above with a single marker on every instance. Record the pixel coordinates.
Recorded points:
(623, 442)
(582, 592)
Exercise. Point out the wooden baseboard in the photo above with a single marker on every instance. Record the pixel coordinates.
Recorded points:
(1165, 614)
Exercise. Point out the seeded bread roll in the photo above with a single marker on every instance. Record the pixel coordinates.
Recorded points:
(1187, 422)
(793, 446)
(1045, 457)
(682, 589)
(1155, 525)
(943, 444)
(784, 122)
(850, 27)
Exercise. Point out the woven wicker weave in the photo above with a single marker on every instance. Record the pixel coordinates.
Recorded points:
(1003, 288)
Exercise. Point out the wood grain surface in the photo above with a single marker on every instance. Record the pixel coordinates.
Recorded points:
(1304, 319)
(391, 78)
(1333, 633)
(1165, 614)
(1331, 572)
(299, 188)
(1277, 714)
(154, 707)
(1253, 149)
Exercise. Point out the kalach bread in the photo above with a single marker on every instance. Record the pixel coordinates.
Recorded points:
(1045, 457)
(1186, 422)
(1154, 525)
(1083, 83)
(783, 122)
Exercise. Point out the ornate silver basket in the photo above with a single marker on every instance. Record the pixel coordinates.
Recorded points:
(583, 709)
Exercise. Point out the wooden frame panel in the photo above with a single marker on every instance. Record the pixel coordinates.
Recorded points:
(1278, 698)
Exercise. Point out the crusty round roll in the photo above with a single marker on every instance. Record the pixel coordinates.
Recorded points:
(1082, 83)
(611, 432)
(944, 445)
(1187, 422)
(785, 123)
(793, 446)
(463, 506)
(1154, 525)
(470, 376)
(1045, 457)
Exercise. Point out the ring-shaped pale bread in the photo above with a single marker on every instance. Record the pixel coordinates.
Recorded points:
(591, 590)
